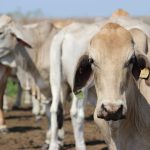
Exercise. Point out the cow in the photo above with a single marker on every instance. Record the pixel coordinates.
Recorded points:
(11, 52)
(116, 58)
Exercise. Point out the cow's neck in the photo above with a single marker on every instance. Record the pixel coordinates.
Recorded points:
(138, 110)
(137, 122)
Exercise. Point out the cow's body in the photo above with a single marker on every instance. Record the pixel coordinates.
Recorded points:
(63, 67)
(31, 63)
(116, 83)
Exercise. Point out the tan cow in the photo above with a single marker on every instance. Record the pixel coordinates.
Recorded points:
(62, 23)
(129, 23)
(117, 62)
(120, 12)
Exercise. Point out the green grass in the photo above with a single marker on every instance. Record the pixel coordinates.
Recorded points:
(12, 88)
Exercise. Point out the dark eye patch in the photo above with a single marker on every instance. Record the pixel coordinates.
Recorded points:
(138, 65)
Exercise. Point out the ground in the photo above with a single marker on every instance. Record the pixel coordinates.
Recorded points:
(26, 134)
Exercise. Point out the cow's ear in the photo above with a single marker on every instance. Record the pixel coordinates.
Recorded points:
(83, 72)
(141, 63)
(21, 35)
(141, 68)
(140, 41)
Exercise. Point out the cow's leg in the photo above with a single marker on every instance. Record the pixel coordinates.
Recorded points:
(35, 103)
(54, 124)
(4, 73)
(27, 97)
(59, 123)
(43, 104)
(60, 114)
(36, 107)
(77, 117)
(54, 145)
(48, 114)
(3, 127)
(42, 108)
(18, 98)
(48, 133)
(55, 84)
(5, 103)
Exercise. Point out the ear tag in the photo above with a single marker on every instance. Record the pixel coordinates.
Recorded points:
(144, 73)
(80, 95)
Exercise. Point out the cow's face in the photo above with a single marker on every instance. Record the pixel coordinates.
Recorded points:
(10, 35)
(115, 63)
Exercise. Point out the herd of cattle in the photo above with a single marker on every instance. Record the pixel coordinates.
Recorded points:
(106, 62)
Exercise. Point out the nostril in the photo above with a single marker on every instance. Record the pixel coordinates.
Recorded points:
(120, 108)
(103, 107)
(111, 111)
(99, 115)
(112, 108)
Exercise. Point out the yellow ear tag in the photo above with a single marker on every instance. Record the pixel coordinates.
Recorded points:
(144, 73)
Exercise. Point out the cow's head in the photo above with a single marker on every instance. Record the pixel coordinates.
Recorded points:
(117, 59)
(10, 35)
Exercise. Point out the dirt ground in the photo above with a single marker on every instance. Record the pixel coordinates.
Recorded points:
(26, 134)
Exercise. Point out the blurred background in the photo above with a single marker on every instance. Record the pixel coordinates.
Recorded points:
(72, 8)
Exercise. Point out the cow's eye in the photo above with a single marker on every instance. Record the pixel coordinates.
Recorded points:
(1, 33)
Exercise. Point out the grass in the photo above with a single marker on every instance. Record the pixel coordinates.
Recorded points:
(11, 88)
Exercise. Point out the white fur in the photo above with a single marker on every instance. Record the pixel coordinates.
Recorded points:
(66, 48)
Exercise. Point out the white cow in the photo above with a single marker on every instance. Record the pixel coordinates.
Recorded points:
(66, 48)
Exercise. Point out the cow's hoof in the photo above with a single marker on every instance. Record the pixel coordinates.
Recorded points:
(38, 118)
(45, 146)
(54, 146)
(3, 129)
(61, 144)
(81, 147)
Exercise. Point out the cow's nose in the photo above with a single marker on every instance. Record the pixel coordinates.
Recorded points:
(111, 108)
(111, 112)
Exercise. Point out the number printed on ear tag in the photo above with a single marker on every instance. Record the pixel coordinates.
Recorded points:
(144, 73)
(80, 95)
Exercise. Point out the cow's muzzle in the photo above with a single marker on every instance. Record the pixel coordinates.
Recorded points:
(111, 112)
